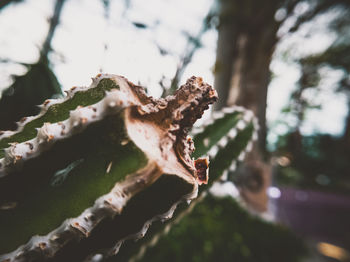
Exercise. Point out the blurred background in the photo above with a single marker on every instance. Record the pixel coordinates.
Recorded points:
(286, 60)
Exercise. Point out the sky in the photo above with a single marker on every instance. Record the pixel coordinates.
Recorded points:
(87, 42)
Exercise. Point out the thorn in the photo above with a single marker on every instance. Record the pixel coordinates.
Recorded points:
(249, 146)
(241, 156)
(224, 175)
(109, 167)
(47, 101)
(218, 114)
(124, 142)
(209, 122)
(228, 110)
(197, 130)
(239, 109)
(248, 116)
(255, 136)
(223, 142)
(233, 166)
(241, 125)
(206, 142)
(213, 151)
(232, 133)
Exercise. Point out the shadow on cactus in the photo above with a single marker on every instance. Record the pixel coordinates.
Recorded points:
(96, 168)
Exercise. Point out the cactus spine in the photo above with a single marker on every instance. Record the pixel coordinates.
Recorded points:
(97, 167)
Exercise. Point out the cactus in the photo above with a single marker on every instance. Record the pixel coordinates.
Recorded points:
(106, 158)
(98, 167)
(226, 137)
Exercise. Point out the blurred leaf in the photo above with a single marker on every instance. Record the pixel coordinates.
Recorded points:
(337, 56)
(318, 107)
(27, 91)
(140, 25)
(286, 109)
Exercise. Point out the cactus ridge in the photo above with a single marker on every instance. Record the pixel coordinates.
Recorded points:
(61, 118)
(112, 251)
(55, 110)
(39, 200)
(106, 206)
(220, 126)
(48, 134)
(124, 143)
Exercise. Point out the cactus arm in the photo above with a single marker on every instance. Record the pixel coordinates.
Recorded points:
(55, 110)
(234, 125)
(213, 132)
(58, 121)
(43, 205)
(115, 151)
(235, 150)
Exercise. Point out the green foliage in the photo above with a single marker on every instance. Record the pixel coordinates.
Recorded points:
(220, 230)
(319, 162)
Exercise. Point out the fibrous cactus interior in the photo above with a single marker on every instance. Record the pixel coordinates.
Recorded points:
(96, 168)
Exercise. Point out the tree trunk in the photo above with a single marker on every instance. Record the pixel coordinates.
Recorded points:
(247, 39)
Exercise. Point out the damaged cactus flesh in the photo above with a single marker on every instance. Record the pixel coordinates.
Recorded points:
(97, 167)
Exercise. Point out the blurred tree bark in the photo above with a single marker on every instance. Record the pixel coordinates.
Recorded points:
(247, 39)
(35, 86)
